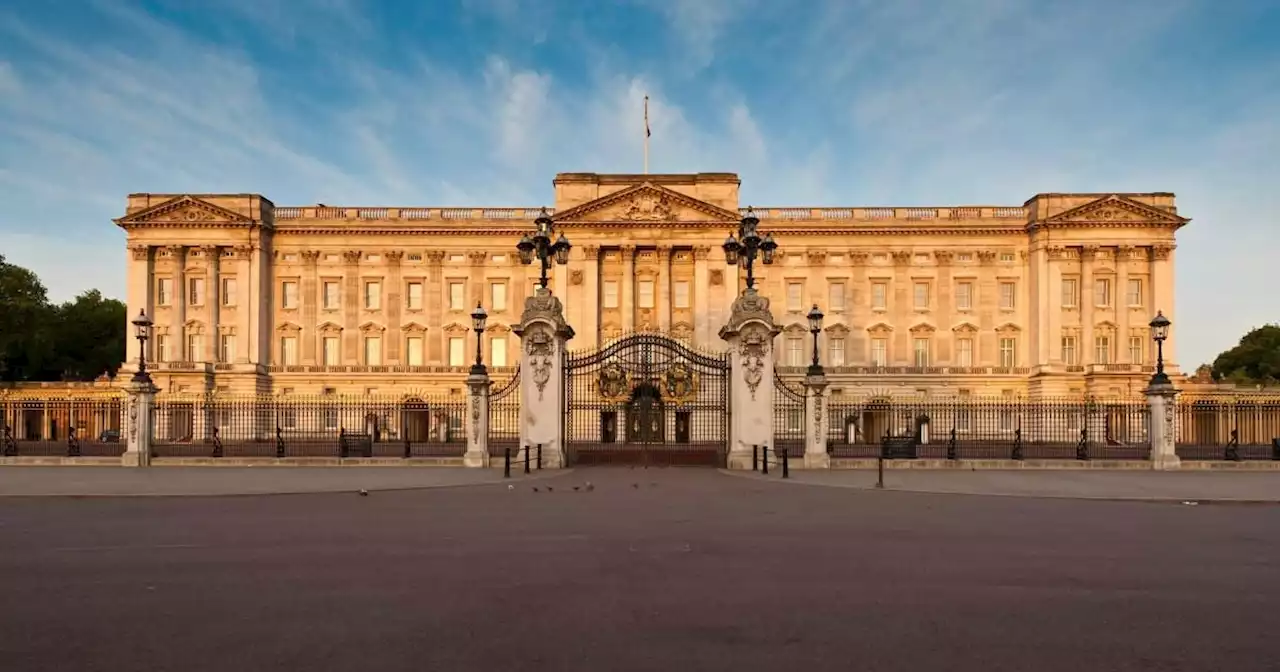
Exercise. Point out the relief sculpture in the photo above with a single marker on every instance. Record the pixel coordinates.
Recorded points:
(540, 350)
(755, 347)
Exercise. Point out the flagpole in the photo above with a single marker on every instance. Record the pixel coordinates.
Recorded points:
(646, 135)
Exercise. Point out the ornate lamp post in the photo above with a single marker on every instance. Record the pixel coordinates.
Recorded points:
(542, 247)
(478, 318)
(815, 326)
(142, 331)
(1160, 331)
(743, 250)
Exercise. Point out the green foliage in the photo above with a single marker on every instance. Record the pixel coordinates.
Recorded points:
(1256, 359)
(78, 340)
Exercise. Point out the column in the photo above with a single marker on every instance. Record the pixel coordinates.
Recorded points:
(1122, 304)
(477, 421)
(476, 261)
(988, 302)
(213, 298)
(1163, 436)
(138, 417)
(815, 423)
(944, 339)
(178, 255)
(140, 286)
(393, 303)
(1087, 305)
(1052, 297)
(246, 289)
(817, 286)
(435, 307)
(664, 298)
(258, 331)
(628, 288)
(857, 300)
(351, 307)
(900, 306)
(559, 280)
(310, 291)
(702, 319)
(591, 296)
(1162, 297)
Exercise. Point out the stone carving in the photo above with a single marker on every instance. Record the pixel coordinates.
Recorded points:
(817, 413)
(176, 251)
(394, 256)
(311, 256)
(614, 383)
(575, 277)
(246, 252)
(701, 252)
(986, 257)
(140, 252)
(816, 257)
(540, 349)
(1056, 252)
(1161, 252)
(754, 348)
(191, 214)
(717, 277)
(352, 256)
(544, 306)
(592, 252)
(680, 384)
(943, 257)
(435, 257)
(858, 258)
(1088, 251)
(664, 253)
(901, 258)
(649, 206)
(475, 418)
(628, 252)
(1112, 214)
(133, 418)
(477, 258)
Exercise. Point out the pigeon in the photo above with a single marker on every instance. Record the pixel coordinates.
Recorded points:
(550, 489)
(535, 489)
(575, 488)
(511, 487)
(636, 486)
(590, 487)
(364, 493)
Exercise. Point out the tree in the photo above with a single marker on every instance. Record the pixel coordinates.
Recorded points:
(90, 336)
(25, 318)
(1256, 359)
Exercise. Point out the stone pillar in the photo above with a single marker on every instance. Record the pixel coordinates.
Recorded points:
(858, 300)
(750, 334)
(435, 297)
(309, 295)
(544, 335)
(393, 306)
(477, 454)
(1088, 305)
(901, 305)
(664, 299)
(701, 291)
(141, 288)
(137, 419)
(1122, 305)
(1053, 259)
(1162, 299)
(178, 254)
(815, 423)
(628, 288)
(246, 289)
(591, 295)
(944, 346)
(1162, 431)
(351, 301)
(213, 298)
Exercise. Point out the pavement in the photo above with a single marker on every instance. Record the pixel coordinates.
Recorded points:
(664, 569)
(211, 481)
(1197, 486)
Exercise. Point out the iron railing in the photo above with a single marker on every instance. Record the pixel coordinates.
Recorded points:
(88, 427)
(1233, 429)
(504, 416)
(788, 413)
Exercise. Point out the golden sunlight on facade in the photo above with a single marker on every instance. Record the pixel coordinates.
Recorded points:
(1048, 298)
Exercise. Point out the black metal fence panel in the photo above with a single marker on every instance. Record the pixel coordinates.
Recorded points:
(504, 416)
(1227, 428)
(89, 427)
(995, 429)
(788, 413)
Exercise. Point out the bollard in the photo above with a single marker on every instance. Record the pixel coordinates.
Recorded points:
(764, 459)
(526, 458)
(539, 456)
(786, 463)
(880, 472)
(506, 462)
(755, 457)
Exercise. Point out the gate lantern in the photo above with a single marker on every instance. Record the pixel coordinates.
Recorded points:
(742, 251)
(541, 246)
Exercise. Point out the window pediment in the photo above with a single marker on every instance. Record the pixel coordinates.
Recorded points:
(289, 327)
(965, 328)
(1008, 328)
(880, 328)
(372, 328)
(194, 327)
(795, 329)
(495, 329)
(456, 329)
(329, 328)
(413, 327)
(837, 329)
(923, 328)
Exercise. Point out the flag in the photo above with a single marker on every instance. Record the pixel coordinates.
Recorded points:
(647, 133)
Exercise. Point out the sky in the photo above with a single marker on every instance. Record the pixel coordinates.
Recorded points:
(813, 103)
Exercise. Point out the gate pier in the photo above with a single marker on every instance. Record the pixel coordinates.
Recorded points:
(750, 334)
(543, 336)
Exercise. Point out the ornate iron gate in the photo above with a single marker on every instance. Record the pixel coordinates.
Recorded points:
(646, 399)
(788, 415)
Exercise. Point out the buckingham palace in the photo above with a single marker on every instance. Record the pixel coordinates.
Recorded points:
(1048, 298)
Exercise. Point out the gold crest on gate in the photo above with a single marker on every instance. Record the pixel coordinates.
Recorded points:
(614, 383)
(680, 385)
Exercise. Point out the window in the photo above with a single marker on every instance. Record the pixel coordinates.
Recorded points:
(413, 350)
(964, 352)
(645, 291)
(795, 297)
(1134, 292)
(1070, 293)
(413, 296)
(195, 292)
(164, 291)
(195, 348)
(289, 350)
(920, 292)
(330, 350)
(835, 351)
(1008, 352)
(835, 297)
(228, 291)
(162, 348)
(227, 350)
(457, 295)
(331, 295)
(681, 291)
(610, 298)
(498, 296)
(1102, 292)
(795, 351)
(457, 351)
(1137, 345)
(964, 295)
(1008, 295)
(879, 351)
(289, 294)
(372, 295)
(373, 350)
(498, 351)
(920, 347)
(879, 290)
(1069, 350)
(1102, 350)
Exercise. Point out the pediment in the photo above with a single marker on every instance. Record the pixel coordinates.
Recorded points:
(328, 326)
(289, 326)
(837, 329)
(965, 328)
(922, 328)
(371, 326)
(184, 211)
(1009, 327)
(880, 326)
(456, 329)
(498, 329)
(413, 326)
(1116, 210)
(646, 202)
(1106, 324)
(795, 329)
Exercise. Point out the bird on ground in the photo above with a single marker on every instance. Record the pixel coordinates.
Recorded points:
(590, 487)
(535, 489)
(364, 493)
(511, 487)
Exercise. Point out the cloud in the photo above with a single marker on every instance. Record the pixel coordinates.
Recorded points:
(840, 102)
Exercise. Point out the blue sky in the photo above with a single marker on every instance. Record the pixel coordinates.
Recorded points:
(821, 102)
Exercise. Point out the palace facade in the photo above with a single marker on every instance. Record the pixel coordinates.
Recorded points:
(1051, 297)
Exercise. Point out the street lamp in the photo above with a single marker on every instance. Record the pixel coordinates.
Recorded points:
(1160, 331)
(815, 326)
(742, 251)
(142, 331)
(540, 245)
(478, 318)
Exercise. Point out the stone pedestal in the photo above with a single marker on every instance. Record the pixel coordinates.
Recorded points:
(544, 335)
(750, 334)
(815, 422)
(1163, 433)
(477, 454)
(138, 417)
